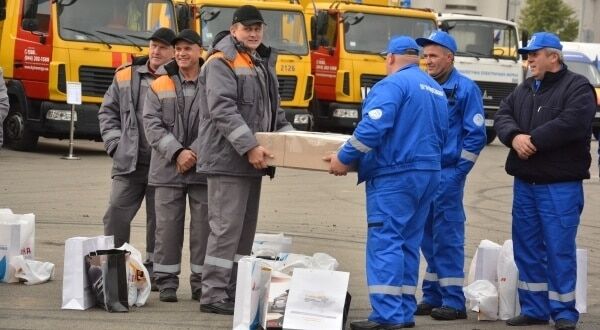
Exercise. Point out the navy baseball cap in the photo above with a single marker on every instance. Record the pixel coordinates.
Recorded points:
(189, 36)
(247, 15)
(541, 40)
(439, 38)
(403, 45)
(164, 35)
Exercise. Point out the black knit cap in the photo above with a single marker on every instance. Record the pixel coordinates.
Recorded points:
(188, 35)
(247, 15)
(164, 35)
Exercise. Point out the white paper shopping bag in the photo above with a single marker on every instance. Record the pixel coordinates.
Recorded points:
(508, 276)
(77, 293)
(582, 281)
(17, 237)
(316, 299)
(251, 294)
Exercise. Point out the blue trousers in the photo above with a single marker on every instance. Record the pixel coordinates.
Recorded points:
(545, 221)
(443, 244)
(397, 206)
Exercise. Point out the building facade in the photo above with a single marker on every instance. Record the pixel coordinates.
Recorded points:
(585, 10)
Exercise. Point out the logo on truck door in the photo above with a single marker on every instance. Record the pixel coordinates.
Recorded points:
(485, 96)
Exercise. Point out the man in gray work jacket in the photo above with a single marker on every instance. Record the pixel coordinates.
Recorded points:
(240, 98)
(120, 118)
(171, 122)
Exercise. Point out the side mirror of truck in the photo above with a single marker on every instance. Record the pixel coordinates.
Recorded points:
(322, 22)
(183, 17)
(30, 24)
(2, 10)
(524, 39)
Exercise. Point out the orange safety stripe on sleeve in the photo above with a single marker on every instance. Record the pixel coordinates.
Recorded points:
(124, 74)
(163, 84)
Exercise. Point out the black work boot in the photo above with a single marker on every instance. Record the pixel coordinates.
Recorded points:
(371, 325)
(223, 307)
(168, 295)
(564, 324)
(424, 309)
(448, 314)
(524, 320)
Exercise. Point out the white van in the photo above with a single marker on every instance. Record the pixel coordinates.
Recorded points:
(591, 50)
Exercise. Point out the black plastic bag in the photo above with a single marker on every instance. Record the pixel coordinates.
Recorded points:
(107, 275)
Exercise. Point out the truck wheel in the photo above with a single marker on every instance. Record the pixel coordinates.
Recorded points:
(491, 135)
(596, 133)
(17, 135)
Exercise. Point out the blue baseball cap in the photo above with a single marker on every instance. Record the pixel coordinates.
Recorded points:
(403, 45)
(541, 40)
(439, 38)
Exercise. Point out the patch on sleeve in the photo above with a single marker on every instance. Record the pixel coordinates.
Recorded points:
(375, 114)
(478, 120)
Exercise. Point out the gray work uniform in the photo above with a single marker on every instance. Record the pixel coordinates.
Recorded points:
(240, 98)
(120, 118)
(4, 106)
(171, 125)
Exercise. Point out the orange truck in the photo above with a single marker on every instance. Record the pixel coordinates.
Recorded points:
(285, 31)
(347, 42)
(46, 43)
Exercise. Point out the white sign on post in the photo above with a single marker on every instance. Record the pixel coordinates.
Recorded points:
(73, 92)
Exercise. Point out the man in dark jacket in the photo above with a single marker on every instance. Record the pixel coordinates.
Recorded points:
(239, 97)
(120, 118)
(546, 121)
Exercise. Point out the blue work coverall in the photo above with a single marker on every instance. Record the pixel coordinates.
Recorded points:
(444, 236)
(398, 146)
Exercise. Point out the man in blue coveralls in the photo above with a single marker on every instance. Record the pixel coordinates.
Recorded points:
(444, 235)
(546, 123)
(397, 147)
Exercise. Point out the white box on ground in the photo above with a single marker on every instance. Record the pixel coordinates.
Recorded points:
(316, 299)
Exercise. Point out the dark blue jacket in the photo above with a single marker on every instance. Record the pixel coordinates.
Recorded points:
(558, 117)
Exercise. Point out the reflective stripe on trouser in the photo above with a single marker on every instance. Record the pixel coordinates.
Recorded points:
(397, 207)
(545, 220)
(125, 200)
(443, 245)
(232, 215)
(170, 221)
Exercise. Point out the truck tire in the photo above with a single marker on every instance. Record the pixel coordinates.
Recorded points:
(491, 135)
(16, 135)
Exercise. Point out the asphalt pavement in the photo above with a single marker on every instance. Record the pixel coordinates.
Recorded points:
(322, 213)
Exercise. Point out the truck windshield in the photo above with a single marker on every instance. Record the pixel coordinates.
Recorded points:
(113, 21)
(285, 30)
(484, 39)
(370, 33)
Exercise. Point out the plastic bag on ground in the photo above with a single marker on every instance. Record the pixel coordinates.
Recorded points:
(30, 271)
(271, 245)
(483, 299)
(484, 263)
(138, 278)
(287, 262)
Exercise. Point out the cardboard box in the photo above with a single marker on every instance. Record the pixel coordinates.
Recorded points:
(299, 149)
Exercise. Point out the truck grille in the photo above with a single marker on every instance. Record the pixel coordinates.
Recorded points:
(287, 87)
(368, 80)
(95, 80)
(494, 92)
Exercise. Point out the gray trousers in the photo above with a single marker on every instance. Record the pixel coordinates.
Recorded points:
(127, 193)
(232, 216)
(170, 221)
